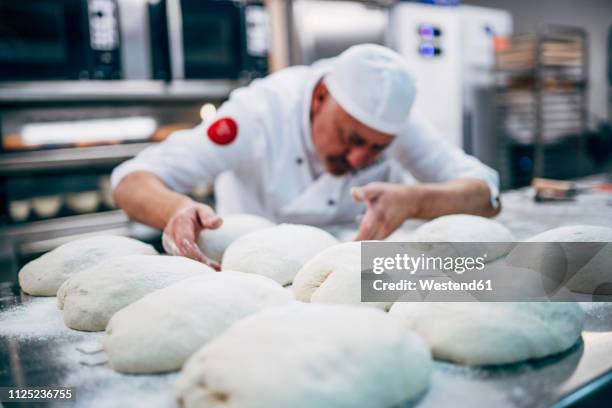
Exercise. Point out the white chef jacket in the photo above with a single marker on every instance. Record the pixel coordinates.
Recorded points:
(271, 168)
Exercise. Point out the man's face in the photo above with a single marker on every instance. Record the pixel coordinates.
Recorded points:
(342, 142)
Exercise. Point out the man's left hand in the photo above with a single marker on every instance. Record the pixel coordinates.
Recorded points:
(387, 207)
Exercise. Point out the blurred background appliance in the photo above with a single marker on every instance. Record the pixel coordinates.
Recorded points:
(59, 39)
(62, 130)
(451, 51)
(56, 158)
(323, 29)
(209, 39)
(133, 39)
(610, 73)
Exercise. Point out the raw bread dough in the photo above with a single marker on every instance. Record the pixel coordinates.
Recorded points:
(106, 192)
(44, 275)
(19, 210)
(583, 268)
(90, 298)
(333, 276)
(401, 236)
(277, 252)
(477, 334)
(304, 356)
(213, 243)
(513, 283)
(468, 228)
(160, 331)
(83, 202)
(47, 206)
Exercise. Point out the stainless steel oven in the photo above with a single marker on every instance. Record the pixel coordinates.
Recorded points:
(55, 162)
(208, 39)
(59, 39)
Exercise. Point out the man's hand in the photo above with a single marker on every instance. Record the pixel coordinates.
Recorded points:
(387, 207)
(182, 231)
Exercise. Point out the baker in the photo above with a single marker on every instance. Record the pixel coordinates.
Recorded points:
(315, 145)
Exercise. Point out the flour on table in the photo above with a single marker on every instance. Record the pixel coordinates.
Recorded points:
(36, 318)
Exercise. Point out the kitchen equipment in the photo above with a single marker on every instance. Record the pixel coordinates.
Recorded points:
(208, 39)
(30, 128)
(540, 104)
(323, 29)
(59, 39)
(451, 52)
(553, 190)
(132, 39)
(70, 160)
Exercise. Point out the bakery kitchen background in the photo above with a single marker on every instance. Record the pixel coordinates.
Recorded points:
(100, 307)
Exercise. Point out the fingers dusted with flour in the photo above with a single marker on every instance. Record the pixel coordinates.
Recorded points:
(146, 199)
(387, 207)
(182, 231)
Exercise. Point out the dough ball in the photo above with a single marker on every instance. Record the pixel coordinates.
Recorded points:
(47, 206)
(44, 275)
(465, 229)
(19, 210)
(213, 243)
(513, 283)
(160, 331)
(401, 236)
(106, 192)
(277, 252)
(83, 202)
(304, 356)
(583, 268)
(478, 334)
(333, 276)
(90, 298)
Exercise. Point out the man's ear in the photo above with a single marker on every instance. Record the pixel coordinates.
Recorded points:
(320, 95)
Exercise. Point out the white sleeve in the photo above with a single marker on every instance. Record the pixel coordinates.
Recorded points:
(189, 157)
(429, 158)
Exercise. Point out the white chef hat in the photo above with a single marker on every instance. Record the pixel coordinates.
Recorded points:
(374, 85)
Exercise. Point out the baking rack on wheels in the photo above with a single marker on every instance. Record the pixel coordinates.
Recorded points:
(541, 100)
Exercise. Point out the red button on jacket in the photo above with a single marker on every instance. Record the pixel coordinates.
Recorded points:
(223, 131)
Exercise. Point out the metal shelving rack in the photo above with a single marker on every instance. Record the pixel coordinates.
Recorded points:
(32, 92)
(541, 104)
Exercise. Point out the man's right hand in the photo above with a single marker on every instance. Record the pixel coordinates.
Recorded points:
(183, 229)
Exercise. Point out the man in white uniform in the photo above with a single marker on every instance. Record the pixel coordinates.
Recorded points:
(311, 145)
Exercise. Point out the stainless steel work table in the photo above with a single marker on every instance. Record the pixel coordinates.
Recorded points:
(55, 360)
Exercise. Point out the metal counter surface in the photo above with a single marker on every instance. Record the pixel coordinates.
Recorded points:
(46, 353)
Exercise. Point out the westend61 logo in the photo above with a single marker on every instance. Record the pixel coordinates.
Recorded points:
(422, 262)
(486, 271)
